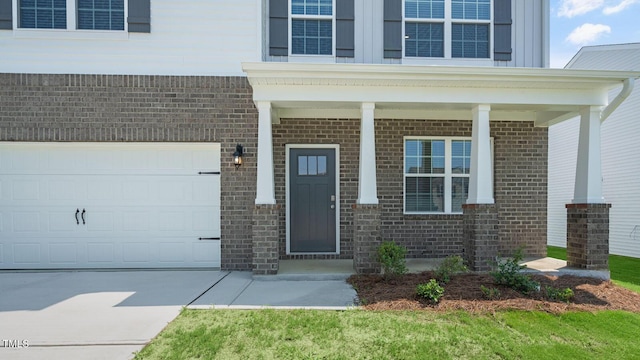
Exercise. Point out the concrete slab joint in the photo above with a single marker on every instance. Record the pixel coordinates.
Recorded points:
(366, 238)
(480, 235)
(265, 239)
(588, 236)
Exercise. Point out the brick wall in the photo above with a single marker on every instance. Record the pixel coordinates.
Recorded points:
(521, 186)
(520, 182)
(146, 109)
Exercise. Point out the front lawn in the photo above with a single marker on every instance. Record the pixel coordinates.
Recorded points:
(355, 334)
(625, 271)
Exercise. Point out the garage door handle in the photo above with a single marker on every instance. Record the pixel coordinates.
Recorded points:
(83, 211)
(77, 212)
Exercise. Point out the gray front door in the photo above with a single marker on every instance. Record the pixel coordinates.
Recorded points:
(312, 187)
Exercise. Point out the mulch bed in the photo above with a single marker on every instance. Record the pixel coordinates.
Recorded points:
(463, 293)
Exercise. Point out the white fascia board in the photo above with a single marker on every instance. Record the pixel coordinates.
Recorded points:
(421, 95)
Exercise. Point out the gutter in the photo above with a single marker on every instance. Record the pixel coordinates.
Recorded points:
(627, 88)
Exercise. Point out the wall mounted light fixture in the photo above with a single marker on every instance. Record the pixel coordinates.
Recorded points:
(237, 156)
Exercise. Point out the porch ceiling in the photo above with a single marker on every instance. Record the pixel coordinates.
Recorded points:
(546, 96)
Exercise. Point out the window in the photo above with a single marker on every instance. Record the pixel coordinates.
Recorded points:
(43, 14)
(101, 14)
(447, 28)
(312, 27)
(90, 14)
(436, 174)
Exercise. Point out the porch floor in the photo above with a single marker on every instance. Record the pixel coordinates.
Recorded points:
(342, 269)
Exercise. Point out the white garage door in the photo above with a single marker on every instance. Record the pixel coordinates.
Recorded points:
(109, 205)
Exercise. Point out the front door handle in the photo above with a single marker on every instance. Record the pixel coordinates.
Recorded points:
(77, 212)
(83, 211)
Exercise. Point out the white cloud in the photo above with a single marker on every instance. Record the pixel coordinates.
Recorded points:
(587, 33)
(618, 8)
(571, 8)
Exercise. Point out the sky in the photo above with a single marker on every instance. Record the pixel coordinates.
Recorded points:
(578, 23)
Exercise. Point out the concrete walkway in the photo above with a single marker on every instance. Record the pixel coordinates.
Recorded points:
(111, 314)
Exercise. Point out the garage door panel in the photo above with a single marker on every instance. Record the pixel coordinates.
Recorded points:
(27, 253)
(135, 221)
(207, 252)
(63, 253)
(145, 205)
(100, 221)
(100, 254)
(63, 221)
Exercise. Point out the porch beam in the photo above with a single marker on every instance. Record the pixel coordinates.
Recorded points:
(367, 185)
(588, 181)
(265, 189)
(480, 185)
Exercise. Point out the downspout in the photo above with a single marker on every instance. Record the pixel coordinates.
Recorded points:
(627, 88)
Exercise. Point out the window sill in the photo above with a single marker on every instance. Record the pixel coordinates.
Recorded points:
(66, 34)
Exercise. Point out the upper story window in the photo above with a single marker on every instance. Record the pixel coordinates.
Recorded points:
(101, 14)
(43, 14)
(312, 27)
(89, 14)
(447, 28)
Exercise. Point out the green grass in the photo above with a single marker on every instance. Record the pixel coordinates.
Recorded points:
(625, 271)
(300, 334)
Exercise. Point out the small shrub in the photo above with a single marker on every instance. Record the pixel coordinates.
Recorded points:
(508, 274)
(555, 294)
(490, 293)
(450, 266)
(391, 257)
(431, 291)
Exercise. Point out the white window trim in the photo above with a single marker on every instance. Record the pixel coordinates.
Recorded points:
(448, 21)
(71, 32)
(448, 175)
(313, 57)
(288, 148)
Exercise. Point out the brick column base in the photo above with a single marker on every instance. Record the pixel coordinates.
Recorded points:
(366, 238)
(588, 236)
(265, 239)
(480, 232)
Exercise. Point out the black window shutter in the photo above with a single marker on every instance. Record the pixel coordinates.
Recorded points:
(139, 18)
(345, 28)
(393, 29)
(502, 30)
(279, 27)
(6, 13)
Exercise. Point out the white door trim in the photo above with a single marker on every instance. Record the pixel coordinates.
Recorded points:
(288, 148)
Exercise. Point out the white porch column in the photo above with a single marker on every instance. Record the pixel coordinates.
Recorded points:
(480, 185)
(367, 186)
(265, 191)
(588, 186)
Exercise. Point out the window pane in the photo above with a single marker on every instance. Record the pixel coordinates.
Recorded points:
(459, 193)
(312, 37)
(302, 165)
(424, 9)
(460, 156)
(471, 9)
(43, 14)
(101, 15)
(424, 194)
(312, 7)
(322, 165)
(312, 165)
(424, 39)
(470, 41)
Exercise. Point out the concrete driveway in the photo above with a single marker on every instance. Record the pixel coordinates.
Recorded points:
(91, 315)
